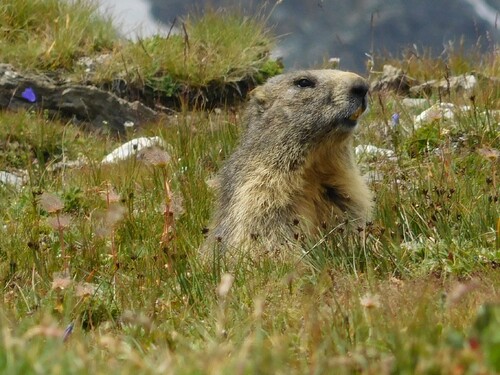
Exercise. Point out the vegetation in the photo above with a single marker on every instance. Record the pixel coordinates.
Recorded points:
(50, 34)
(204, 60)
(206, 51)
(102, 274)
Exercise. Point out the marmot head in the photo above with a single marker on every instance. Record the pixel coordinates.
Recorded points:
(312, 102)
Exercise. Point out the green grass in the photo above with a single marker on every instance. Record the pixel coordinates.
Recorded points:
(415, 293)
(433, 234)
(52, 34)
(217, 56)
(207, 50)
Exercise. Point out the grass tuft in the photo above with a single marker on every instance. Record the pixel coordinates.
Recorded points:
(52, 34)
(213, 51)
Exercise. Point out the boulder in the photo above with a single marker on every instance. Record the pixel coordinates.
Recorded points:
(393, 79)
(86, 104)
(457, 84)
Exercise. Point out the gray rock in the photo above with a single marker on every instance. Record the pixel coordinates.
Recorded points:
(84, 103)
(91, 63)
(15, 180)
(374, 151)
(393, 79)
(415, 102)
(68, 164)
(463, 84)
(457, 84)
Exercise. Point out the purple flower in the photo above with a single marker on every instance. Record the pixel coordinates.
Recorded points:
(395, 119)
(29, 95)
(68, 331)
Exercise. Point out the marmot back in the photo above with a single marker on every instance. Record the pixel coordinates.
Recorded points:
(294, 170)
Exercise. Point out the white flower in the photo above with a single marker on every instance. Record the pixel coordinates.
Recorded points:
(370, 301)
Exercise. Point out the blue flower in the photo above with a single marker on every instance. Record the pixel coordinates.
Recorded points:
(68, 331)
(395, 119)
(29, 95)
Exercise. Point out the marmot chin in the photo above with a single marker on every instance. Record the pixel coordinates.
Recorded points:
(294, 170)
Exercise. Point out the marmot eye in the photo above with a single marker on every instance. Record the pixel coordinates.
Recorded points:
(304, 82)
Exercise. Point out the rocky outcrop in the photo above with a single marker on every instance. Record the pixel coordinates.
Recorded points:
(463, 84)
(78, 102)
(393, 79)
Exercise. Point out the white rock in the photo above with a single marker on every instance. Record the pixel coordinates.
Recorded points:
(415, 102)
(371, 150)
(467, 83)
(440, 111)
(68, 164)
(13, 180)
(131, 148)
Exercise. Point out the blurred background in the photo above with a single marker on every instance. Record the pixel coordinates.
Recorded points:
(311, 32)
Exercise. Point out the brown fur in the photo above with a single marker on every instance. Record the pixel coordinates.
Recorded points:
(294, 170)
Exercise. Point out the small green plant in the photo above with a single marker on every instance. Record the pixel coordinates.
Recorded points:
(424, 140)
(166, 84)
(269, 69)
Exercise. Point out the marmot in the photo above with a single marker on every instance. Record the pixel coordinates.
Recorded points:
(294, 169)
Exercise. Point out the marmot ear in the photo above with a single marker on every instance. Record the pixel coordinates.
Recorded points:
(258, 94)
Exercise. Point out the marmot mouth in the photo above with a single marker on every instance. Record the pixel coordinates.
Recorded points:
(357, 114)
(361, 109)
(351, 121)
(353, 118)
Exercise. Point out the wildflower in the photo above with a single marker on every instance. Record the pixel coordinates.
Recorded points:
(85, 289)
(175, 207)
(395, 119)
(460, 290)
(110, 195)
(156, 156)
(61, 281)
(68, 331)
(370, 301)
(29, 95)
(43, 330)
(225, 285)
(489, 153)
(51, 203)
(114, 214)
(106, 220)
(59, 222)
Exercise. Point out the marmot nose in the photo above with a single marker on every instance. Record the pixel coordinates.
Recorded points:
(359, 90)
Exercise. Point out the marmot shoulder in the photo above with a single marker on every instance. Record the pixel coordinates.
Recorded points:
(294, 170)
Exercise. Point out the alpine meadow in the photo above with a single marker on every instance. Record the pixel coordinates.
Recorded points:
(100, 250)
